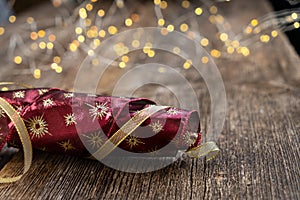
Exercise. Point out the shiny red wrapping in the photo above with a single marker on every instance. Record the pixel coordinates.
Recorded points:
(78, 124)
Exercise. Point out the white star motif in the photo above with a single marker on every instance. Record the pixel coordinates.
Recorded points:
(189, 138)
(172, 111)
(100, 110)
(70, 119)
(68, 95)
(48, 103)
(43, 91)
(156, 127)
(19, 94)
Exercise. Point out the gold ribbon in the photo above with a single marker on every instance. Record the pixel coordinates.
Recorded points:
(130, 126)
(209, 150)
(24, 137)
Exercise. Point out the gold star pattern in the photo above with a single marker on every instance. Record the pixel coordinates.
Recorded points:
(37, 127)
(19, 94)
(172, 111)
(43, 91)
(133, 141)
(68, 95)
(98, 111)
(66, 145)
(2, 113)
(48, 103)
(95, 139)
(70, 119)
(156, 127)
(189, 138)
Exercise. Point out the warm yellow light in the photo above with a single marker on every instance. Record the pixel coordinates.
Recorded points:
(128, 22)
(294, 16)
(187, 64)
(223, 37)
(184, 27)
(213, 9)
(163, 5)
(41, 33)
(151, 53)
(57, 59)
(161, 22)
(176, 50)
(37, 73)
(95, 61)
(135, 43)
(2, 30)
(78, 30)
(42, 45)
(122, 65)
(12, 19)
(274, 33)
(58, 69)
(81, 38)
(215, 53)
(204, 59)
(30, 20)
(112, 30)
(73, 47)
(89, 7)
(157, 2)
(204, 42)
(91, 52)
(82, 13)
(50, 45)
(254, 22)
(264, 38)
(125, 59)
(102, 33)
(230, 50)
(245, 51)
(18, 60)
(248, 30)
(52, 38)
(185, 4)
(296, 24)
(101, 13)
(170, 28)
(198, 11)
(235, 43)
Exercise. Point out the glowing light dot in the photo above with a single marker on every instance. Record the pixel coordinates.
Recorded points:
(198, 11)
(230, 50)
(57, 59)
(164, 31)
(265, 38)
(215, 53)
(157, 2)
(52, 38)
(151, 53)
(294, 16)
(91, 52)
(184, 27)
(204, 59)
(122, 65)
(97, 42)
(161, 22)
(125, 59)
(248, 30)
(41, 33)
(42, 45)
(102, 33)
(78, 30)
(58, 69)
(30, 20)
(135, 17)
(101, 13)
(73, 47)
(112, 30)
(185, 4)
(223, 37)
(256, 30)
(170, 28)
(176, 50)
(235, 43)
(254, 22)
(56, 3)
(89, 7)
(95, 61)
(204, 42)
(81, 38)
(289, 19)
(187, 64)
(12, 19)
(135, 43)
(120, 3)
(37, 73)
(82, 13)
(54, 66)
(163, 5)
(2, 30)
(274, 33)
(213, 9)
(128, 22)
(296, 24)
(50, 45)
(18, 60)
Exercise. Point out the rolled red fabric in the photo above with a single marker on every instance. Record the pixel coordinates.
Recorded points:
(79, 124)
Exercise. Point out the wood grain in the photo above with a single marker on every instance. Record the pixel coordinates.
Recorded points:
(259, 142)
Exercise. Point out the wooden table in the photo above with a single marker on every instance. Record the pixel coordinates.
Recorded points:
(260, 140)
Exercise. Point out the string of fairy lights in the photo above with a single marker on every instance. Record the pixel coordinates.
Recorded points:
(41, 46)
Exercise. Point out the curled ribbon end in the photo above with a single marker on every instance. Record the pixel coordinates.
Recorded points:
(209, 150)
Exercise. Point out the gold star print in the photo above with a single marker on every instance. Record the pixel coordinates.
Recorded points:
(2, 113)
(98, 111)
(95, 139)
(133, 141)
(189, 138)
(37, 127)
(172, 111)
(42, 91)
(68, 95)
(70, 119)
(66, 145)
(48, 103)
(156, 127)
(19, 94)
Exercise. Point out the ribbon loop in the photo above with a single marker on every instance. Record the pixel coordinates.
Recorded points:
(209, 150)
